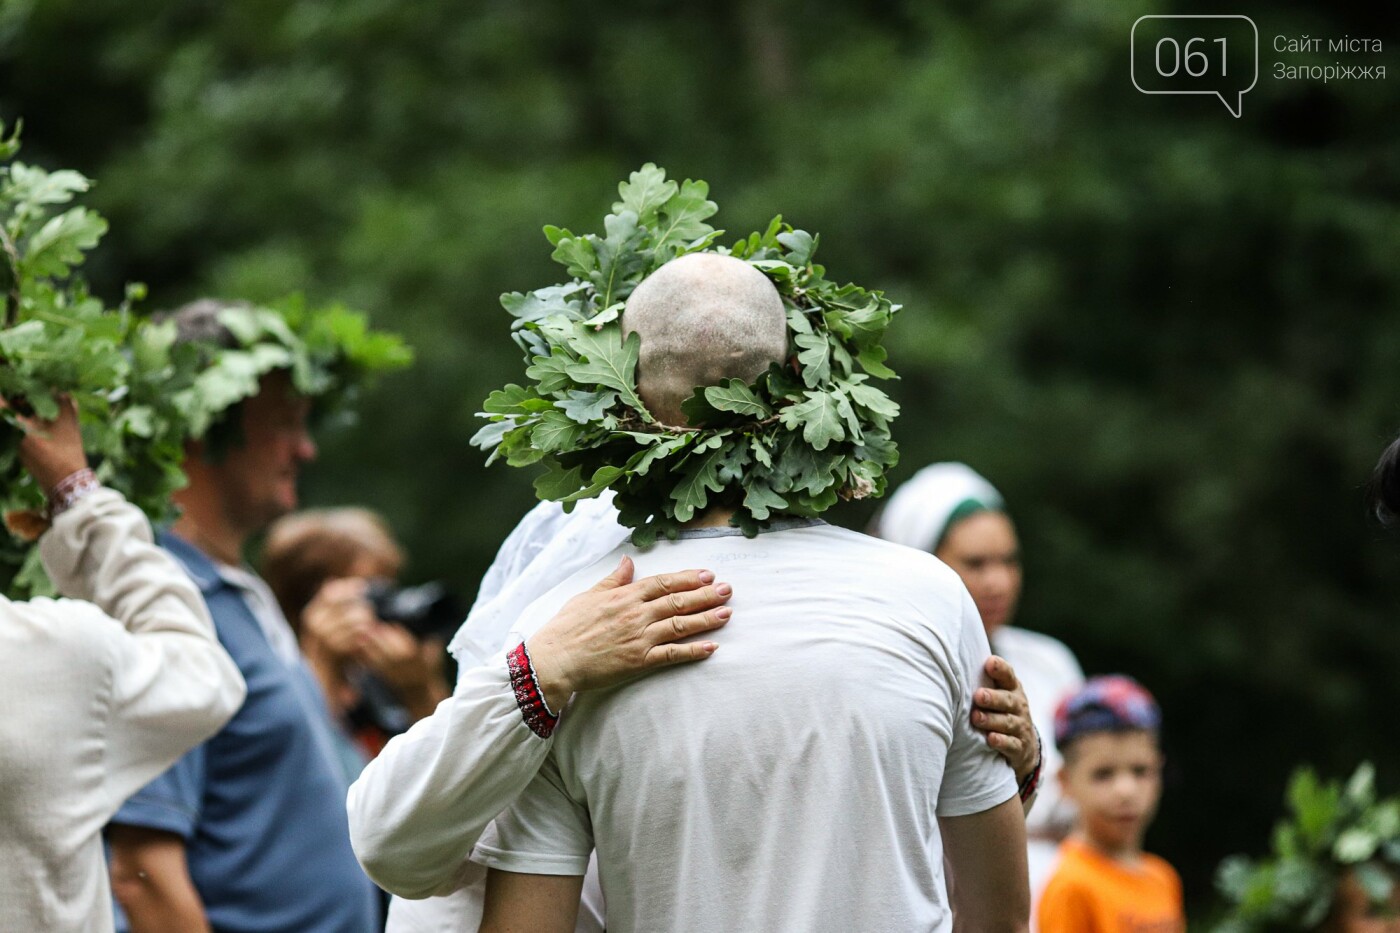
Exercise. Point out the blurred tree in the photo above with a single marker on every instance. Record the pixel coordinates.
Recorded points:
(1168, 335)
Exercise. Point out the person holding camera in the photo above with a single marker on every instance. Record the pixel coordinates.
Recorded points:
(101, 692)
(377, 650)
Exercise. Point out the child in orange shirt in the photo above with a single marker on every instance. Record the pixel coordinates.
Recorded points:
(1105, 883)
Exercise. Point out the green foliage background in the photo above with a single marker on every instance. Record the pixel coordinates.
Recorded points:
(1171, 337)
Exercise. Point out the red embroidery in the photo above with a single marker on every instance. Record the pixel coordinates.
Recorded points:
(527, 693)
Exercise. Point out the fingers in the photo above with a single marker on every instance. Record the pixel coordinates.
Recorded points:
(390, 651)
(669, 631)
(617, 629)
(339, 616)
(676, 628)
(687, 602)
(66, 419)
(667, 655)
(664, 584)
(343, 590)
(1007, 746)
(619, 577)
(1000, 701)
(52, 450)
(1002, 675)
(389, 642)
(997, 722)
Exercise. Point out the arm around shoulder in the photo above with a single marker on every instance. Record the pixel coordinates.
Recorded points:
(419, 807)
(986, 858)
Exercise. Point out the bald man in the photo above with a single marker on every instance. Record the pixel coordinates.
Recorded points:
(814, 775)
(705, 300)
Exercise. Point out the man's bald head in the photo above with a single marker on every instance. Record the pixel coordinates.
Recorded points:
(703, 318)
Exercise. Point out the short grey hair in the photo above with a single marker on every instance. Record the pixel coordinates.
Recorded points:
(198, 322)
(703, 318)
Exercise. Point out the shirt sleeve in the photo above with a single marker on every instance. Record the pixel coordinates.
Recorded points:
(172, 802)
(519, 548)
(173, 685)
(545, 832)
(419, 807)
(975, 778)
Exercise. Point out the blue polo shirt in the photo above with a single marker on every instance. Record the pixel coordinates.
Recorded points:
(261, 805)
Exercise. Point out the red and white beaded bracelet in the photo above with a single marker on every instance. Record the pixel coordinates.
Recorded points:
(528, 695)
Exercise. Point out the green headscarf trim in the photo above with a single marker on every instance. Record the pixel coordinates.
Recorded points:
(963, 510)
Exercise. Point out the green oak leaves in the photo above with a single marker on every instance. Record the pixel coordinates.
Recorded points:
(805, 434)
(140, 394)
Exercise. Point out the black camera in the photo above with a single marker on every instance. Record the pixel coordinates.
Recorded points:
(427, 611)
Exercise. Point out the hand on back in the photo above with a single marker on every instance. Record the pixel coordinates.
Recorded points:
(1003, 713)
(621, 628)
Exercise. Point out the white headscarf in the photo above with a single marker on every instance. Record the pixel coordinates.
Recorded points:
(917, 514)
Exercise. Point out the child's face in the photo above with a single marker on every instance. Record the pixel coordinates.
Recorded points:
(1115, 778)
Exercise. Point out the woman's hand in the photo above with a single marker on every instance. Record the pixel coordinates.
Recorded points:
(619, 629)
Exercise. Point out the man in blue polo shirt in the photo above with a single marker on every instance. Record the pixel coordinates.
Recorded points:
(248, 831)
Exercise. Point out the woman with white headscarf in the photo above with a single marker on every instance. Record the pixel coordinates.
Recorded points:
(950, 511)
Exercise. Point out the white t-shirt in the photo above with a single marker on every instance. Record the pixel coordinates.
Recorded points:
(793, 781)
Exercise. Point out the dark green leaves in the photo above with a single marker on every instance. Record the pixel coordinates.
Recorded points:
(644, 192)
(555, 432)
(607, 360)
(736, 397)
(620, 262)
(801, 245)
(139, 395)
(818, 418)
(59, 244)
(545, 302)
(808, 431)
(675, 214)
(700, 477)
(330, 351)
(815, 358)
(585, 407)
(682, 218)
(57, 338)
(1334, 828)
(761, 500)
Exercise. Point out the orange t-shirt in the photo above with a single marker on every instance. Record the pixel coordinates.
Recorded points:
(1092, 893)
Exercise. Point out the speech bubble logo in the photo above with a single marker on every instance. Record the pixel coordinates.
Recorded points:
(1196, 54)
